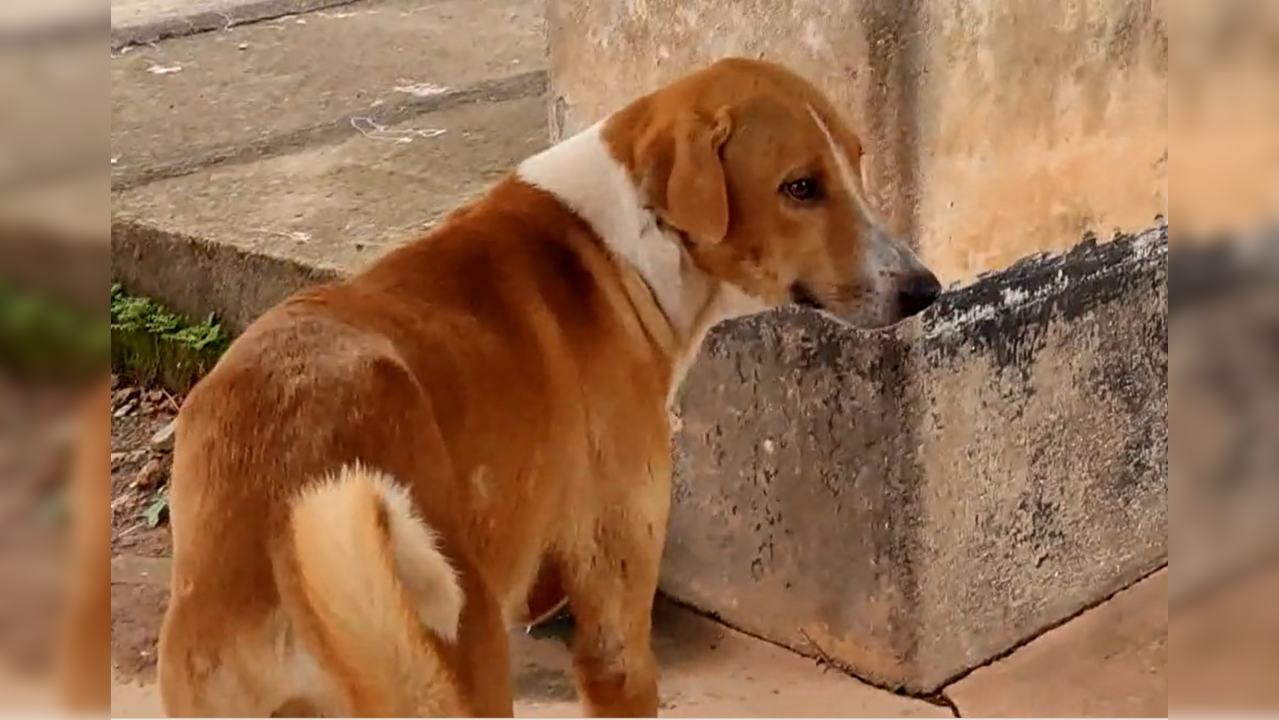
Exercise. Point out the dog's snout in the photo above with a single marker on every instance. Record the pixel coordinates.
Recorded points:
(917, 292)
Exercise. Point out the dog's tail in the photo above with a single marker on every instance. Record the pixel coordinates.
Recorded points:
(381, 593)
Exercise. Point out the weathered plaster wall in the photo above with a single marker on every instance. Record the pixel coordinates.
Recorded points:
(1038, 121)
(996, 128)
(1224, 116)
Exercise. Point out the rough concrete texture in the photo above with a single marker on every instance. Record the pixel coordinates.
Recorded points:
(1112, 661)
(914, 505)
(236, 240)
(1222, 382)
(283, 81)
(707, 671)
(54, 110)
(995, 128)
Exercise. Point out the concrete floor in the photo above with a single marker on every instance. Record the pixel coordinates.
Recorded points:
(1111, 661)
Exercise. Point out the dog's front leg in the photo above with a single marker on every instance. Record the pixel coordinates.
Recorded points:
(611, 579)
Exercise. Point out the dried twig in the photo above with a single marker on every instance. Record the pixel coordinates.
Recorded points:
(171, 401)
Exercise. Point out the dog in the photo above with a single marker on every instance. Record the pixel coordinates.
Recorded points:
(84, 647)
(373, 477)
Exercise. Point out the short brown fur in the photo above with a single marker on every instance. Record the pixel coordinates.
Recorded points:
(753, 122)
(510, 372)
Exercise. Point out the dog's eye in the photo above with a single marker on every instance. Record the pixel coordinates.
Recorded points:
(802, 190)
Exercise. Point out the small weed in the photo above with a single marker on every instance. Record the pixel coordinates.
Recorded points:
(152, 346)
(40, 335)
(157, 511)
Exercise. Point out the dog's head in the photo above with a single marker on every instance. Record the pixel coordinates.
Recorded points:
(761, 178)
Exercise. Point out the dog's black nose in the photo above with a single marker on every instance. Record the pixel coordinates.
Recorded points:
(917, 292)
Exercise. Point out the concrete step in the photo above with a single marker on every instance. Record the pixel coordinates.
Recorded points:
(235, 240)
(148, 21)
(54, 239)
(276, 86)
(251, 161)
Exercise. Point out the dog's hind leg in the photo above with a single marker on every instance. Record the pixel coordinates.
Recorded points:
(198, 684)
(255, 671)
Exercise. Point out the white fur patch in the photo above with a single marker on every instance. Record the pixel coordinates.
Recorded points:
(427, 574)
(584, 175)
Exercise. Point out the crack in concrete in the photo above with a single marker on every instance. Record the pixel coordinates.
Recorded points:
(168, 28)
(938, 698)
(951, 681)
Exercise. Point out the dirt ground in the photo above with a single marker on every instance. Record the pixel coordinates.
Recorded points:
(140, 462)
(34, 440)
(139, 468)
(36, 435)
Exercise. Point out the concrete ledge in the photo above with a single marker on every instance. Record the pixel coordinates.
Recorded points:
(196, 276)
(53, 240)
(524, 85)
(278, 87)
(914, 505)
(235, 240)
(156, 21)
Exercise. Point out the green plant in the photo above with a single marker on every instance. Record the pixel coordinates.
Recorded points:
(158, 511)
(40, 335)
(153, 346)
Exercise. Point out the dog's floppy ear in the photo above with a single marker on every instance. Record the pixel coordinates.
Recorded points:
(687, 185)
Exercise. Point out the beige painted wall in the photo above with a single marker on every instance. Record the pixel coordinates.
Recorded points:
(1224, 114)
(997, 128)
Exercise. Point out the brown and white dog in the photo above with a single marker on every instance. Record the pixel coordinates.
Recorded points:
(372, 479)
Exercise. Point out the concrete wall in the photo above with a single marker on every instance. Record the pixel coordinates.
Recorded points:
(1224, 116)
(996, 127)
(914, 506)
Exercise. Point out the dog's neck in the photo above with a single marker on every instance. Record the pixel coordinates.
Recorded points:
(585, 176)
